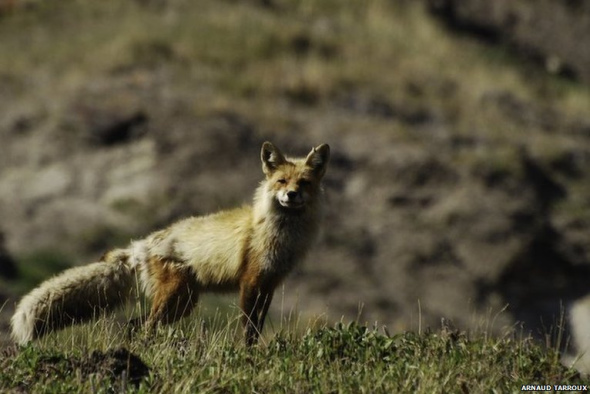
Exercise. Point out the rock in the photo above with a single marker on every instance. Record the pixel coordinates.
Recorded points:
(538, 30)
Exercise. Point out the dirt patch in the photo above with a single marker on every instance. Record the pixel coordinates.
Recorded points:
(119, 366)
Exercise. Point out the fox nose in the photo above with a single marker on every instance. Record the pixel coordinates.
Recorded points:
(291, 195)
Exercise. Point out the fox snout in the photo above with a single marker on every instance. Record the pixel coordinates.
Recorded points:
(291, 198)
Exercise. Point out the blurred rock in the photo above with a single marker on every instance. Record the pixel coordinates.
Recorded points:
(553, 33)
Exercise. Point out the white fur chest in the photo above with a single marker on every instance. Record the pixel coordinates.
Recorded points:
(286, 242)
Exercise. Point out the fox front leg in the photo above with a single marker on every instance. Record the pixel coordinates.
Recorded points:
(254, 302)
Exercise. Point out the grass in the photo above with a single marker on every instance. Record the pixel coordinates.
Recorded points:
(208, 356)
(302, 50)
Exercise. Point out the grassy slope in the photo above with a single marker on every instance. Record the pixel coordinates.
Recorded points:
(250, 55)
(347, 358)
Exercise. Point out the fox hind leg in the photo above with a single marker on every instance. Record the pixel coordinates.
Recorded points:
(175, 293)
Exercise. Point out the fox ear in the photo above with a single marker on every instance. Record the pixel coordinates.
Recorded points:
(318, 159)
(271, 158)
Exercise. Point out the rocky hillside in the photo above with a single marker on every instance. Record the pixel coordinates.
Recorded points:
(460, 178)
(547, 32)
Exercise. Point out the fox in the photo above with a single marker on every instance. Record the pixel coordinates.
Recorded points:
(248, 250)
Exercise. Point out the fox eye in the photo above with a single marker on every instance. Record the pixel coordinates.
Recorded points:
(304, 182)
(282, 181)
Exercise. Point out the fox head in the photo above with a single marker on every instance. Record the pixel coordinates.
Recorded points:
(293, 184)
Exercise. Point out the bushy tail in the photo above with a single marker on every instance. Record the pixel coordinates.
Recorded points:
(74, 296)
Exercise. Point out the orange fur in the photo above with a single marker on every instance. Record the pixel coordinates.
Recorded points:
(176, 292)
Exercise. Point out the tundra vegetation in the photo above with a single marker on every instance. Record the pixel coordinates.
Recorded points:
(208, 355)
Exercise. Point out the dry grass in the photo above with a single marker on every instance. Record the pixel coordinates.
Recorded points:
(207, 356)
(253, 57)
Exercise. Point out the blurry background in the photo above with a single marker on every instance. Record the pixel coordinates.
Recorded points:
(459, 185)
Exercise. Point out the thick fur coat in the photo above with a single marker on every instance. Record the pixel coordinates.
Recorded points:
(249, 249)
